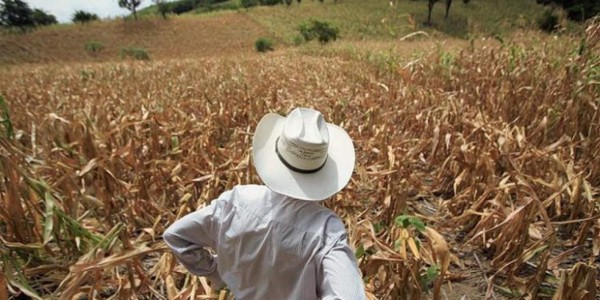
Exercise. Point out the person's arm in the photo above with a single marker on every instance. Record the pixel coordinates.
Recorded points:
(339, 277)
(189, 236)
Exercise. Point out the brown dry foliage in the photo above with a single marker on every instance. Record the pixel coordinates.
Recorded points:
(496, 148)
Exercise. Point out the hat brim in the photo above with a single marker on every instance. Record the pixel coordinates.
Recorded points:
(317, 186)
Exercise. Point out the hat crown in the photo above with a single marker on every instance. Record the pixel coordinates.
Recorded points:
(306, 127)
(304, 141)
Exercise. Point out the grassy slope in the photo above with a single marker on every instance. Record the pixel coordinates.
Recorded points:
(360, 20)
(377, 19)
(173, 38)
(231, 32)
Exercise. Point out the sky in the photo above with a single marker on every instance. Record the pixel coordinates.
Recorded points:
(63, 9)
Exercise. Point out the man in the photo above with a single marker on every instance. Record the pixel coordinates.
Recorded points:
(276, 241)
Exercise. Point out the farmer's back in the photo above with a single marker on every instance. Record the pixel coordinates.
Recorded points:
(271, 246)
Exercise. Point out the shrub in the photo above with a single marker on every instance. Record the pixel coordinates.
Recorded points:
(83, 17)
(548, 21)
(263, 45)
(182, 7)
(42, 18)
(577, 10)
(135, 53)
(322, 31)
(249, 3)
(298, 40)
(93, 48)
(269, 2)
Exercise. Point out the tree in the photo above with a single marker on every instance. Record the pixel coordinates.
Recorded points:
(16, 13)
(163, 8)
(83, 17)
(448, 4)
(131, 5)
(577, 10)
(430, 9)
(42, 18)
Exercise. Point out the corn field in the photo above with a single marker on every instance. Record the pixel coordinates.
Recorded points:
(476, 165)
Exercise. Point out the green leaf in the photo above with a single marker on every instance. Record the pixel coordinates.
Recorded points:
(533, 253)
(430, 275)
(405, 221)
(397, 245)
(39, 187)
(417, 223)
(174, 143)
(360, 251)
(418, 242)
(432, 272)
(14, 276)
(378, 227)
(5, 119)
(77, 229)
(402, 221)
(110, 237)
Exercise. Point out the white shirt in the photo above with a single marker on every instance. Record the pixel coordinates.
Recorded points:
(269, 246)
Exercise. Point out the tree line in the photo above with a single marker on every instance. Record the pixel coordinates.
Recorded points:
(16, 13)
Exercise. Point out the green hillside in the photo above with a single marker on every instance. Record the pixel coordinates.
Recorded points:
(382, 19)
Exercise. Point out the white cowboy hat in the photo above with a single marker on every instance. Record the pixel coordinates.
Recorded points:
(301, 156)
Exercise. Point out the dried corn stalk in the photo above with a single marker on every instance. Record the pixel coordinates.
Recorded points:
(578, 283)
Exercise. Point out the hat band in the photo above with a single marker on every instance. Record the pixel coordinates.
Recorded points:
(289, 166)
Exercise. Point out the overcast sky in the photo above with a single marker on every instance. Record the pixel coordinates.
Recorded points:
(64, 9)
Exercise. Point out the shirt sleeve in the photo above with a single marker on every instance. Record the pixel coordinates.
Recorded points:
(339, 278)
(189, 236)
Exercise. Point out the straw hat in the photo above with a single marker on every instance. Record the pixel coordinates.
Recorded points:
(302, 156)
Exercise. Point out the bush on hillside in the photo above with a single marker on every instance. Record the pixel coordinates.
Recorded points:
(263, 45)
(298, 40)
(577, 10)
(182, 7)
(548, 21)
(82, 17)
(135, 53)
(93, 48)
(269, 2)
(249, 3)
(324, 32)
(583, 11)
(42, 18)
